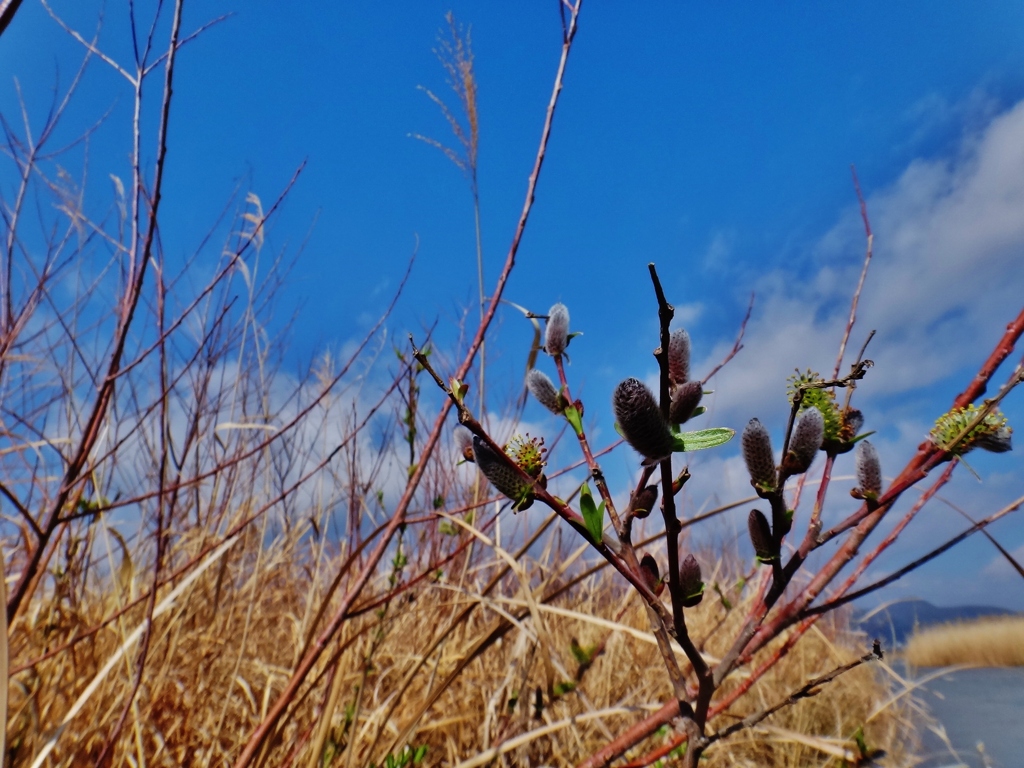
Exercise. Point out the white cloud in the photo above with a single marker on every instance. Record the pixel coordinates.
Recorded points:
(947, 275)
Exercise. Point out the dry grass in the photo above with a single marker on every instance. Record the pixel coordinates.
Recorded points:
(989, 642)
(224, 651)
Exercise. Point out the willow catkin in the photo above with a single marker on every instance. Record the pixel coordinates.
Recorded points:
(758, 455)
(640, 420)
(556, 332)
(679, 357)
(808, 435)
(542, 388)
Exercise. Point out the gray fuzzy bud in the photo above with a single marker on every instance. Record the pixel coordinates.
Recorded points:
(502, 474)
(464, 442)
(853, 421)
(685, 400)
(997, 441)
(643, 503)
(679, 357)
(869, 470)
(542, 388)
(689, 582)
(641, 421)
(556, 332)
(807, 436)
(758, 455)
(761, 537)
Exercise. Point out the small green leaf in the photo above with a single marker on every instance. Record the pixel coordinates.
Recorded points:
(703, 438)
(573, 416)
(459, 389)
(593, 515)
(564, 687)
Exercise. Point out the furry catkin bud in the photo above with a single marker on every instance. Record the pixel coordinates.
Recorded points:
(679, 357)
(853, 420)
(757, 453)
(542, 388)
(503, 477)
(807, 436)
(685, 400)
(642, 503)
(689, 582)
(869, 470)
(464, 442)
(652, 578)
(556, 332)
(641, 421)
(761, 537)
(997, 441)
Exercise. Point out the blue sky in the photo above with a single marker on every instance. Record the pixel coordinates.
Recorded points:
(712, 139)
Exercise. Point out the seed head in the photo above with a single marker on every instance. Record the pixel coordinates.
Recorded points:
(761, 537)
(642, 503)
(679, 357)
(498, 469)
(689, 582)
(542, 388)
(757, 453)
(685, 400)
(556, 332)
(869, 470)
(807, 437)
(641, 421)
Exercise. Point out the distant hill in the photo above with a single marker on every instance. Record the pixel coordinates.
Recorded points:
(895, 623)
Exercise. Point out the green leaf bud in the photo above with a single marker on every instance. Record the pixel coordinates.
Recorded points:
(641, 422)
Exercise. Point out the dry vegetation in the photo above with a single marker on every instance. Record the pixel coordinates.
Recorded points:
(989, 642)
(211, 562)
(479, 641)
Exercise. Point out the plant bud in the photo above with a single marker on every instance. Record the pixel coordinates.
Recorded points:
(652, 578)
(464, 442)
(642, 503)
(761, 537)
(542, 388)
(689, 582)
(853, 420)
(679, 357)
(807, 436)
(758, 455)
(641, 421)
(685, 400)
(499, 470)
(996, 441)
(869, 470)
(556, 332)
